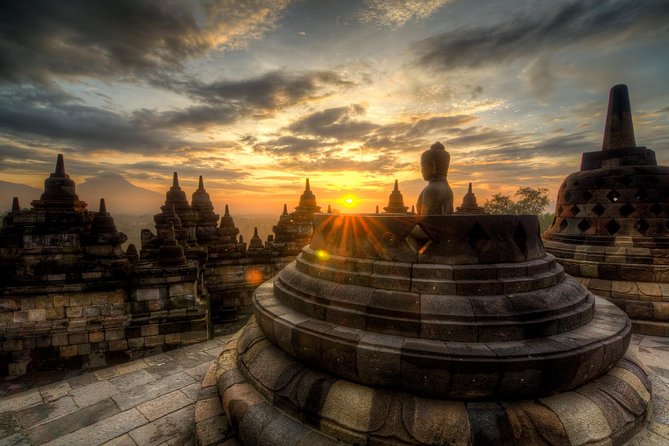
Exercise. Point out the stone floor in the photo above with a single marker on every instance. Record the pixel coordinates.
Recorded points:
(151, 401)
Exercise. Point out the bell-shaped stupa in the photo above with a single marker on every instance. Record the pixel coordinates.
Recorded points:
(477, 337)
(611, 226)
(469, 204)
(59, 192)
(205, 217)
(396, 202)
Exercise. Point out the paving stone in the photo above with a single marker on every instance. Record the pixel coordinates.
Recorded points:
(178, 423)
(212, 430)
(165, 369)
(17, 439)
(9, 425)
(199, 371)
(207, 408)
(131, 366)
(45, 412)
(123, 440)
(20, 401)
(54, 391)
(102, 431)
(139, 395)
(73, 421)
(92, 393)
(107, 373)
(82, 380)
(127, 381)
(192, 390)
(163, 405)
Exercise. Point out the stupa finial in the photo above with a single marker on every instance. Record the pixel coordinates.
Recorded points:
(103, 207)
(227, 211)
(285, 209)
(307, 188)
(15, 204)
(619, 129)
(377, 208)
(396, 189)
(255, 231)
(469, 190)
(60, 165)
(200, 185)
(175, 180)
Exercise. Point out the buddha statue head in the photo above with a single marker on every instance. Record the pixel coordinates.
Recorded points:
(434, 163)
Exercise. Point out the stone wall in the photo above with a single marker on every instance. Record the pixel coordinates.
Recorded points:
(92, 323)
(230, 283)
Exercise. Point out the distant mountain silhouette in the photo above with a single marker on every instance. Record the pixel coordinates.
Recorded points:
(121, 196)
(26, 194)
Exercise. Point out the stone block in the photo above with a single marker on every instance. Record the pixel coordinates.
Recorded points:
(116, 297)
(182, 289)
(91, 311)
(36, 315)
(96, 336)
(147, 294)
(43, 302)
(55, 313)
(119, 344)
(61, 301)
(155, 305)
(173, 338)
(27, 304)
(78, 338)
(60, 339)
(80, 300)
(74, 311)
(84, 349)
(114, 334)
(20, 316)
(136, 343)
(68, 351)
(154, 341)
(9, 305)
(17, 368)
(150, 330)
(12, 345)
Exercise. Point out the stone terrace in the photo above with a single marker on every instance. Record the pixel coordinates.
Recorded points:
(152, 401)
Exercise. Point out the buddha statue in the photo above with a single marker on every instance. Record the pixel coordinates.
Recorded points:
(437, 197)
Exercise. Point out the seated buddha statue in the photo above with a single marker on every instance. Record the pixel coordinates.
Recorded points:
(437, 197)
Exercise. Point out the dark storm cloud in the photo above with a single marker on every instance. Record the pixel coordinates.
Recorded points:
(271, 91)
(581, 22)
(291, 146)
(42, 39)
(61, 119)
(226, 101)
(339, 123)
(385, 165)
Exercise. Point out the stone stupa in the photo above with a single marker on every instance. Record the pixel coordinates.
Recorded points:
(611, 226)
(478, 337)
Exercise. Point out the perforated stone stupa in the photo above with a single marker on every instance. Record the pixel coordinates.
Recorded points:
(611, 226)
(476, 337)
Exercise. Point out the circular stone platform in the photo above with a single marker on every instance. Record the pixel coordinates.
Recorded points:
(431, 330)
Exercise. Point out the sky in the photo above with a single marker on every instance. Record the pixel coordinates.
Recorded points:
(258, 95)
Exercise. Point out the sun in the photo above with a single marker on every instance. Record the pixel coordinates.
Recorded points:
(350, 201)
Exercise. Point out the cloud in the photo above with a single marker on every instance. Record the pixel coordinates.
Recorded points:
(539, 78)
(40, 39)
(395, 14)
(338, 122)
(574, 23)
(60, 119)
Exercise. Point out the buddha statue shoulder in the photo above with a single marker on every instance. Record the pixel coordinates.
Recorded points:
(437, 197)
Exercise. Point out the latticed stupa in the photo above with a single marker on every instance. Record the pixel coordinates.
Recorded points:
(611, 226)
(293, 230)
(477, 337)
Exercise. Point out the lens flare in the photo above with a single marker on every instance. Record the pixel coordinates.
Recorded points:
(322, 255)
